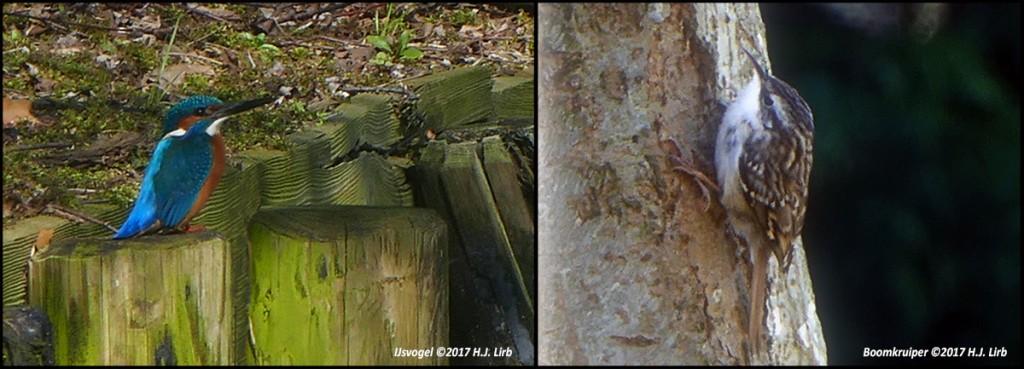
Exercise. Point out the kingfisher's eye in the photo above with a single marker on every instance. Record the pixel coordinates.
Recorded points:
(767, 100)
(201, 112)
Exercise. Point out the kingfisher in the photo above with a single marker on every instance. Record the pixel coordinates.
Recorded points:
(186, 165)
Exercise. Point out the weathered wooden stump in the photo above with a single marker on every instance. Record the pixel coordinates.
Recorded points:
(154, 300)
(503, 179)
(495, 308)
(348, 285)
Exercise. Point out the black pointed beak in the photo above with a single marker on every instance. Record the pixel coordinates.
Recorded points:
(757, 66)
(235, 108)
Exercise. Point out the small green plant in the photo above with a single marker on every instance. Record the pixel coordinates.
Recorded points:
(301, 53)
(464, 16)
(15, 38)
(259, 42)
(321, 118)
(400, 49)
(298, 106)
(384, 40)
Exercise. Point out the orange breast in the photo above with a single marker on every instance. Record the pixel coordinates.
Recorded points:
(216, 170)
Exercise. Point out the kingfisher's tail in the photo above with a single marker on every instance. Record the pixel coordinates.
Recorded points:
(142, 217)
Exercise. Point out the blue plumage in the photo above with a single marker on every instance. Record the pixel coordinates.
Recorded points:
(182, 164)
(177, 172)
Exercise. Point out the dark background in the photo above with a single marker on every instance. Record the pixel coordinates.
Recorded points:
(913, 227)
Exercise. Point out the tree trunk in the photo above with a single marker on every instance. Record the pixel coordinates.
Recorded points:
(636, 266)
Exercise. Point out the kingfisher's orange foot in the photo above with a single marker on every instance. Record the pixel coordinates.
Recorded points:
(194, 228)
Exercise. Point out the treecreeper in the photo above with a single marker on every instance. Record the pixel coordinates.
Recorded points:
(763, 158)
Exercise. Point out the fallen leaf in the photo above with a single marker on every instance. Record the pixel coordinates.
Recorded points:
(9, 206)
(18, 110)
(43, 239)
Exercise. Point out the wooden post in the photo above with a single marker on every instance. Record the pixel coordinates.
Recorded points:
(154, 300)
(513, 98)
(486, 245)
(454, 98)
(348, 285)
(503, 179)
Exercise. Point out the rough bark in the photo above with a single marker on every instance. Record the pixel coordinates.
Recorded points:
(633, 269)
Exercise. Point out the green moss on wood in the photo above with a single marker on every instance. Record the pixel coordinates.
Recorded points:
(514, 98)
(115, 302)
(454, 98)
(359, 280)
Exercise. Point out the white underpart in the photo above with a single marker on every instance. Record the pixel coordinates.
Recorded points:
(740, 118)
(214, 128)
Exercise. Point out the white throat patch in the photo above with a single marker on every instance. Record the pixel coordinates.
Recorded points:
(214, 128)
